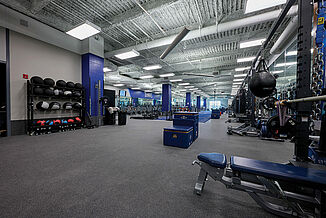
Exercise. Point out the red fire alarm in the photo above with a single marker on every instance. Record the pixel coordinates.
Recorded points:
(25, 76)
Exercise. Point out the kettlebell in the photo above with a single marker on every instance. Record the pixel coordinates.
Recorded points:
(262, 82)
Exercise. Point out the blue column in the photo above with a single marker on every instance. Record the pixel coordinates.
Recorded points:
(166, 97)
(205, 103)
(198, 102)
(92, 72)
(188, 100)
(135, 102)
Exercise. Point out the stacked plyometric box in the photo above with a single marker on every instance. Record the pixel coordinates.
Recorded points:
(184, 131)
(216, 114)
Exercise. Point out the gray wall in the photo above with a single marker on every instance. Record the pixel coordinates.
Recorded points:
(2, 44)
(36, 58)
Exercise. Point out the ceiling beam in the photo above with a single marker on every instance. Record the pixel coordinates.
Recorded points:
(38, 5)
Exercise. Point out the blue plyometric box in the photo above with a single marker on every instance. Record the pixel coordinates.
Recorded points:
(186, 115)
(215, 114)
(316, 157)
(188, 122)
(178, 136)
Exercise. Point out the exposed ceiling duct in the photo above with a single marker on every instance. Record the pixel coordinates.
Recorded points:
(222, 27)
(175, 42)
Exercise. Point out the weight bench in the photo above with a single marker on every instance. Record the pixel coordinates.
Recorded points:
(298, 191)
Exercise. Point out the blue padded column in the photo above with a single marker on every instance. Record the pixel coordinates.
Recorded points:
(198, 102)
(166, 97)
(205, 103)
(188, 100)
(92, 72)
(135, 102)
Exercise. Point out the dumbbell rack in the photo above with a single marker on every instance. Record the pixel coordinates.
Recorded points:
(32, 98)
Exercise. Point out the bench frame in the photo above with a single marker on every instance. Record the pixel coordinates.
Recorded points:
(291, 204)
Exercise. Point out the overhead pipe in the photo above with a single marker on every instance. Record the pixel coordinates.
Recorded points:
(286, 37)
(222, 27)
(175, 42)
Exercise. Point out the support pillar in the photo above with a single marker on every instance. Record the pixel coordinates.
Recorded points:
(198, 103)
(166, 98)
(205, 103)
(188, 100)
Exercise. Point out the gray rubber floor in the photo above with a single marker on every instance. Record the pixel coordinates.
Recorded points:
(123, 171)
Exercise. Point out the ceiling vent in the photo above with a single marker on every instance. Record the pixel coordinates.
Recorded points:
(23, 22)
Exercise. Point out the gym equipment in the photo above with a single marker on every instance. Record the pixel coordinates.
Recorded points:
(122, 118)
(70, 85)
(216, 113)
(42, 105)
(76, 93)
(48, 81)
(67, 93)
(78, 86)
(77, 105)
(262, 82)
(37, 80)
(38, 91)
(67, 105)
(291, 190)
(178, 136)
(286, 132)
(187, 119)
(55, 106)
(56, 122)
(78, 119)
(269, 103)
(48, 92)
(61, 83)
(71, 120)
(56, 92)
(40, 122)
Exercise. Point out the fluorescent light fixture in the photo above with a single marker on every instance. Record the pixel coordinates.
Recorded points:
(175, 80)
(247, 59)
(106, 69)
(135, 88)
(277, 71)
(146, 77)
(152, 67)
(257, 5)
(291, 53)
(189, 87)
(252, 43)
(237, 83)
(126, 55)
(120, 84)
(285, 64)
(238, 80)
(240, 75)
(184, 84)
(148, 90)
(167, 75)
(236, 86)
(84, 30)
(242, 68)
(183, 90)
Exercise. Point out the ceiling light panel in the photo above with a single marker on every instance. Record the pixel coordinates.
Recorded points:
(240, 75)
(242, 68)
(146, 77)
(167, 75)
(153, 67)
(118, 85)
(247, 59)
(106, 69)
(84, 30)
(257, 5)
(126, 55)
(175, 80)
(183, 84)
(252, 43)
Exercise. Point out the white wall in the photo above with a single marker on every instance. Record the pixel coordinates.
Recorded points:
(37, 58)
(2, 44)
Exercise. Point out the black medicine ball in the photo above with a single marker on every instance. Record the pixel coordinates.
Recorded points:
(37, 80)
(55, 105)
(77, 94)
(67, 105)
(77, 105)
(61, 83)
(56, 92)
(42, 105)
(49, 82)
(67, 93)
(70, 85)
(38, 91)
(48, 92)
(78, 86)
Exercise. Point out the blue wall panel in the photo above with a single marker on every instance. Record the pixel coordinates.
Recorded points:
(141, 94)
(92, 72)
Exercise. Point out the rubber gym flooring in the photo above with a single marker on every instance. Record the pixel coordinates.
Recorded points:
(123, 171)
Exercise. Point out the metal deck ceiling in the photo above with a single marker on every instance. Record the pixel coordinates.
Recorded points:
(127, 23)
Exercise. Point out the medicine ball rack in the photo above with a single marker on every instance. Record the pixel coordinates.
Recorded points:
(34, 129)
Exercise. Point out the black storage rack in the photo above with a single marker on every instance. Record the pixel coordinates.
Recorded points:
(32, 99)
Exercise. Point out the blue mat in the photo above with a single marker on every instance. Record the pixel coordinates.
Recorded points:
(204, 116)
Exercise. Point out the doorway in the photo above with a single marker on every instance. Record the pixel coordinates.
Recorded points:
(3, 100)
